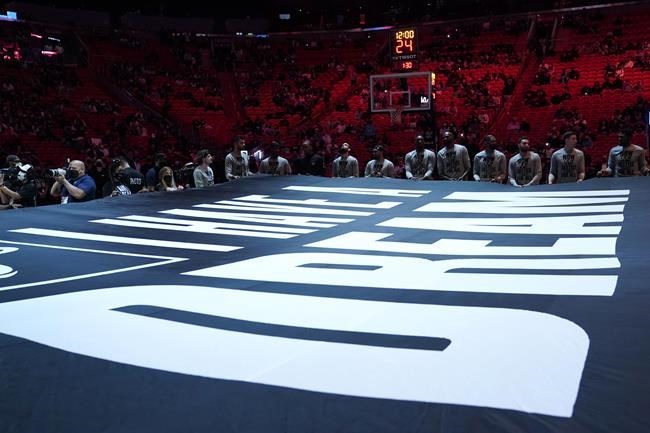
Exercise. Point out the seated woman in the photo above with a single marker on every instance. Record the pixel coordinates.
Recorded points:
(166, 180)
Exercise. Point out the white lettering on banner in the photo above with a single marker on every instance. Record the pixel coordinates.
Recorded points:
(319, 202)
(565, 225)
(422, 274)
(318, 222)
(6, 271)
(213, 228)
(160, 243)
(263, 207)
(409, 193)
(500, 358)
(369, 241)
(499, 196)
(530, 202)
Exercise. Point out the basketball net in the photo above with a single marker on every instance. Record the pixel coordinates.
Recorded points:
(396, 116)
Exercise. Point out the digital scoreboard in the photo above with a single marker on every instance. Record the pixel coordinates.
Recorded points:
(404, 48)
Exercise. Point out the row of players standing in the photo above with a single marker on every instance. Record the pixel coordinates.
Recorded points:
(452, 162)
(524, 168)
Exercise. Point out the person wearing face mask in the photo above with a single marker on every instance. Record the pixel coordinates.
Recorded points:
(75, 186)
(626, 159)
(133, 179)
(23, 191)
(419, 163)
(123, 180)
(345, 165)
(275, 164)
(167, 182)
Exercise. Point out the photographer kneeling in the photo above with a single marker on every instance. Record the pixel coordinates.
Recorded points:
(73, 185)
(22, 192)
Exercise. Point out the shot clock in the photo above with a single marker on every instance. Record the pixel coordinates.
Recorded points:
(404, 48)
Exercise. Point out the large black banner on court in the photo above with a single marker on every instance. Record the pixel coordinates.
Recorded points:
(303, 304)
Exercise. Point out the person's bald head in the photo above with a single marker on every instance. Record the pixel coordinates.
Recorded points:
(307, 147)
(78, 165)
(419, 143)
(448, 138)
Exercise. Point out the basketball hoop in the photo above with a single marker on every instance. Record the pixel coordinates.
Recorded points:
(396, 115)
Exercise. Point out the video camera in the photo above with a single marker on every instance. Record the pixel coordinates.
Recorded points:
(52, 172)
(185, 174)
(10, 175)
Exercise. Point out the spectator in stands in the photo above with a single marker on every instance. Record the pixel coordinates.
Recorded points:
(419, 163)
(596, 89)
(274, 164)
(568, 163)
(513, 125)
(167, 181)
(311, 162)
(160, 160)
(98, 172)
(345, 165)
(400, 168)
(453, 159)
(564, 77)
(509, 87)
(237, 161)
(626, 159)
(429, 136)
(23, 190)
(369, 131)
(586, 142)
(75, 186)
(525, 168)
(203, 174)
(379, 166)
(490, 163)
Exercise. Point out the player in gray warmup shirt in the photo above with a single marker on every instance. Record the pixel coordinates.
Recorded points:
(626, 159)
(379, 166)
(525, 168)
(490, 164)
(345, 165)
(419, 163)
(568, 163)
(453, 159)
(237, 161)
(275, 164)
